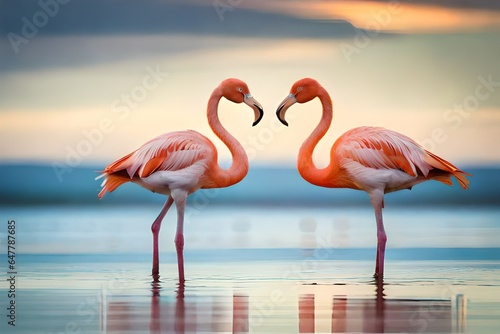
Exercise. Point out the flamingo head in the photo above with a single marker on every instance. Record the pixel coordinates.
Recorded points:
(302, 91)
(237, 91)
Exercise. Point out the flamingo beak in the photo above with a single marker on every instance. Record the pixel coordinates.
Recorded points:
(257, 108)
(283, 107)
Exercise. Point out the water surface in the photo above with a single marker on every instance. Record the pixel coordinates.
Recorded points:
(256, 270)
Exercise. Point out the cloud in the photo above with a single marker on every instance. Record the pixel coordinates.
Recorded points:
(393, 16)
(150, 16)
(465, 4)
(67, 77)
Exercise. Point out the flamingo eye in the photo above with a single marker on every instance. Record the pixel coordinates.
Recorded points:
(240, 89)
(299, 89)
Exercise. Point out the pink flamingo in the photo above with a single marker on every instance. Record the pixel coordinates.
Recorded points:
(372, 159)
(179, 163)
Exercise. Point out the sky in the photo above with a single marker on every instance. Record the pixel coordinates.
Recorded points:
(86, 82)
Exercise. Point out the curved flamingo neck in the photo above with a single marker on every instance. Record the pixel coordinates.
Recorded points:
(239, 168)
(305, 164)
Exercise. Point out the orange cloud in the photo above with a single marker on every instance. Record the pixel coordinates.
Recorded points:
(409, 17)
(391, 16)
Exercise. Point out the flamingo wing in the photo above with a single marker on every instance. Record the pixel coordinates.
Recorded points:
(379, 148)
(172, 151)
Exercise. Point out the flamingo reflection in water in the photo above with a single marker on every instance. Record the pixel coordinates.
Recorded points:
(317, 308)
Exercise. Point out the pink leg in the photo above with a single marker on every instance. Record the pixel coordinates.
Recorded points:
(378, 204)
(180, 203)
(155, 228)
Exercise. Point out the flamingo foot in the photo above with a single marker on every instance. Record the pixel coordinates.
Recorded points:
(155, 273)
(179, 246)
(379, 261)
(379, 267)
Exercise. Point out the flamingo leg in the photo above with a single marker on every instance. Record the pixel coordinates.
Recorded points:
(180, 203)
(155, 228)
(378, 204)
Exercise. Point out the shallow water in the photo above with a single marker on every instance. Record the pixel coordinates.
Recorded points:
(322, 296)
(296, 270)
(126, 229)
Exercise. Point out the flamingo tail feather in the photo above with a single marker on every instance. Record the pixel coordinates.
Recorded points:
(444, 170)
(112, 182)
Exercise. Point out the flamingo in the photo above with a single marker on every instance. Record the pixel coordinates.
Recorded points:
(179, 163)
(372, 159)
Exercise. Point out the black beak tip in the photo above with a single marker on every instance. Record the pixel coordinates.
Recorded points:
(261, 114)
(279, 116)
